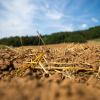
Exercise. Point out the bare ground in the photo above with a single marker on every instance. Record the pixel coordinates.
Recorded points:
(20, 83)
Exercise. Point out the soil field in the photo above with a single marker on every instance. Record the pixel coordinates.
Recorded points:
(51, 72)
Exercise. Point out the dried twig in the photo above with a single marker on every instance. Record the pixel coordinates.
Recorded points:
(41, 65)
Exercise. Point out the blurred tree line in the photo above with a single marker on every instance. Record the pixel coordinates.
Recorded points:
(59, 37)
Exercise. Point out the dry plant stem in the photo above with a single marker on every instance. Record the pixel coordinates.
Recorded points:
(41, 65)
(45, 48)
(68, 75)
(98, 74)
(68, 68)
(45, 60)
(21, 41)
(60, 63)
(39, 35)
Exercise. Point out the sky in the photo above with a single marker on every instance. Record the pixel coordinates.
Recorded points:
(25, 17)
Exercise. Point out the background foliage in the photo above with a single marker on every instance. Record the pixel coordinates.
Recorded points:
(59, 37)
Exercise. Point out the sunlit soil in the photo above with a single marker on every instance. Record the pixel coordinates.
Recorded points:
(22, 81)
